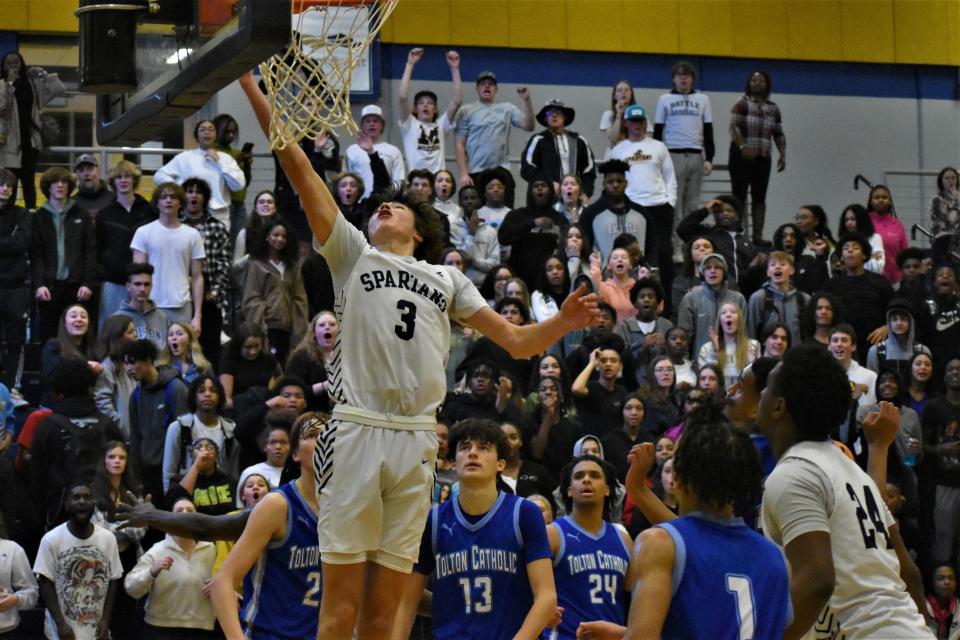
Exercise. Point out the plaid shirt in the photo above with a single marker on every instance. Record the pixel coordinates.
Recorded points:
(216, 244)
(758, 124)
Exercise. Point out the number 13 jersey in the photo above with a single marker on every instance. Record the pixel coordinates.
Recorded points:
(394, 312)
(814, 487)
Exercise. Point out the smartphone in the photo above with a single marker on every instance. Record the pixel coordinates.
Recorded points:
(247, 147)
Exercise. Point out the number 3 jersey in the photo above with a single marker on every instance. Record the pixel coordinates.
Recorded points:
(729, 582)
(813, 488)
(589, 571)
(395, 313)
(479, 566)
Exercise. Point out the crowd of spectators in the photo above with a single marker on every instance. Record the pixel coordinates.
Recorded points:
(183, 337)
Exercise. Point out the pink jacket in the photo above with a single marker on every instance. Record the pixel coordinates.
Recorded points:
(894, 241)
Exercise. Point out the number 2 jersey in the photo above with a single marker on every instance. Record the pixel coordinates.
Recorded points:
(395, 312)
(589, 571)
(281, 593)
(479, 566)
(813, 488)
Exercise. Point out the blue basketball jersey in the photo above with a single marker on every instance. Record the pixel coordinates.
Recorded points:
(480, 586)
(281, 593)
(589, 571)
(728, 582)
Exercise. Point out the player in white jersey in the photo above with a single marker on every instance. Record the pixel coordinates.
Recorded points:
(374, 466)
(817, 499)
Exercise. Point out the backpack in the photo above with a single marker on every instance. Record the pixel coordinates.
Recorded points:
(882, 353)
(77, 457)
(769, 310)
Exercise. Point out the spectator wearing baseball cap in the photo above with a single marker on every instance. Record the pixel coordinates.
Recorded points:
(92, 192)
(557, 152)
(652, 184)
(370, 141)
(482, 131)
(684, 122)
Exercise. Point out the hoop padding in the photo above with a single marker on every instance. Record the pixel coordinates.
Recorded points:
(309, 84)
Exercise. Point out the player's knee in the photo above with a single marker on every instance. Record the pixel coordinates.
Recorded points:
(377, 623)
(340, 615)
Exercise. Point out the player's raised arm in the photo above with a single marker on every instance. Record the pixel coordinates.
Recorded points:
(579, 311)
(318, 204)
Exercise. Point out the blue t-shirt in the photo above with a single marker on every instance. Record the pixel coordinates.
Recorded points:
(281, 593)
(729, 582)
(589, 571)
(480, 584)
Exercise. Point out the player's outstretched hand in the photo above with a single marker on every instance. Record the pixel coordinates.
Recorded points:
(580, 308)
(131, 512)
(600, 630)
(880, 427)
(641, 459)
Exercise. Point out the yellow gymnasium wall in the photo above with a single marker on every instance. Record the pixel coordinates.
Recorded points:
(891, 31)
(886, 31)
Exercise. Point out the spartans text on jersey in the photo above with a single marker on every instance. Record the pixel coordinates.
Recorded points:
(402, 279)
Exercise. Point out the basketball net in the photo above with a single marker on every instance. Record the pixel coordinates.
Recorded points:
(309, 83)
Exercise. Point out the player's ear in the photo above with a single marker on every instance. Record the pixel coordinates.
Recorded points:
(501, 465)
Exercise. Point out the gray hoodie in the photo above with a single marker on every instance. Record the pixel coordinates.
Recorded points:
(151, 324)
(699, 308)
(895, 354)
(783, 307)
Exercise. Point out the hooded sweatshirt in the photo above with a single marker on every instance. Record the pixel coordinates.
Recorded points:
(531, 243)
(151, 323)
(699, 308)
(150, 415)
(894, 237)
(895, 353)
(786, 307)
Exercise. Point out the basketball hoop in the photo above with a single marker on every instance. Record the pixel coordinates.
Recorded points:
(309, 83)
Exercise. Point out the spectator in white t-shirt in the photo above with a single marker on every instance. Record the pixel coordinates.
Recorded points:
(176, 252)
(684, 123)
(651, 183)
(422, 131)
(78, 566)
(372, 125)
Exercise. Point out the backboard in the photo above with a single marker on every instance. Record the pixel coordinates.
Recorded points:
(184, 51)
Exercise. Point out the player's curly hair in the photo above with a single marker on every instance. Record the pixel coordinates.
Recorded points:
(717, 462)
(478, 430)
(426, 219)
(566, 479)
(816, 390)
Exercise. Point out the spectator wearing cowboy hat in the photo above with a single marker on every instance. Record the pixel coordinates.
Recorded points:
(557, 152)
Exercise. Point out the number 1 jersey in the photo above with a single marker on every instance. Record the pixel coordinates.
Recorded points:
(394, 312)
